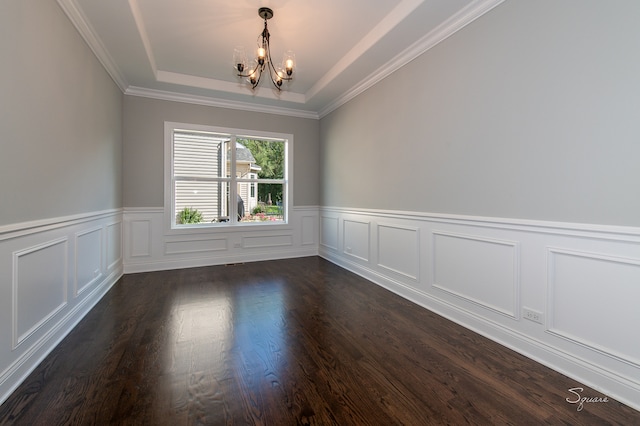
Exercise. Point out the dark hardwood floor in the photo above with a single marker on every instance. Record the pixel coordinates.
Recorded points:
(288, 342)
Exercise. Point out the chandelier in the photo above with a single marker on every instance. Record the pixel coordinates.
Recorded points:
(263, 63)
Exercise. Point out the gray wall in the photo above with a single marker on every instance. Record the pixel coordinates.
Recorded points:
(61, 119)
(532, 111)
(144, 145)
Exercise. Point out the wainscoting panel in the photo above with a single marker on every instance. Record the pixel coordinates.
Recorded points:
(267, 241)
(194, 246)
(150, 247)
(580, 300)
(140, 238)
(56, 271)
(329, 232)
(88, 259)
(399, 250)
(114, 245)
(310, 230)
(39, 287)
(578, 285)
(356, 239)
(480, 270)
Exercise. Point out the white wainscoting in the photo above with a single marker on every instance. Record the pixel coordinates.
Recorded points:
(88, 260)
(579, 282)
(39, 288)
(582, 280)
(148, 247)
(54, 271)
(477, 269)
(398, 250)
(357, 237)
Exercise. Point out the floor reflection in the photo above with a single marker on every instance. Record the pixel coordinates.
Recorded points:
(216, 337)
(259, 347)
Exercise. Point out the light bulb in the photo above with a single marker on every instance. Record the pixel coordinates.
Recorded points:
(253, 77)
(239, 59)
(289, 62)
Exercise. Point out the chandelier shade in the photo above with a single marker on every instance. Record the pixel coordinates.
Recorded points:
(263, 61)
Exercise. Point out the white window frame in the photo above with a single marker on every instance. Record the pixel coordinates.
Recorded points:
(233, 225)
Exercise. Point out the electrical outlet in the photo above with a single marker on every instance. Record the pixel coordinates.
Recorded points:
(532, 315)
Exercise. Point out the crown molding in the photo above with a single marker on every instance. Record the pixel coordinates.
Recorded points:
(455, 23)
(395, 17)
(220, 103)
(77, 18)
(144, 37)
(227, 86)
(466, 15)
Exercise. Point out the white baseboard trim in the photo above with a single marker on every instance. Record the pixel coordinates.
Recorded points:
(510, 264)
(82, 255)
(23, 366)
(164, 265)
(505, 255)
(148, 247)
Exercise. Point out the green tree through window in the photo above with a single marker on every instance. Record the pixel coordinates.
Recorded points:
(270, 157)
(228, 176)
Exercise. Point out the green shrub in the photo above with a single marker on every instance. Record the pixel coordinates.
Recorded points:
(258, 209)
(274, 210)
(189, 215)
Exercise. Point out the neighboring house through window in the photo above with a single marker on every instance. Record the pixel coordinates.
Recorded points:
(207, 167)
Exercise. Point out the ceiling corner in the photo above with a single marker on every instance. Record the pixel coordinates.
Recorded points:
(77, 18)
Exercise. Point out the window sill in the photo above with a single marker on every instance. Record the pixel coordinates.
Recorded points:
(221, 228)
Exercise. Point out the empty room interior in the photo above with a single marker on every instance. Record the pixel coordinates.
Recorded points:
(336, 212)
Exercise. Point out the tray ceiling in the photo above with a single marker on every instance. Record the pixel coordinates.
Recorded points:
(182, 50)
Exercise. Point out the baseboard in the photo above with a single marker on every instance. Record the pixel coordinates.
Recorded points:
(423, 259)
(163, 265)
(83, 260)
(149, 247)
(22, 367)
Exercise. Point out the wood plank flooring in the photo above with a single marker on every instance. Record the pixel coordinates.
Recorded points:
(290, 342)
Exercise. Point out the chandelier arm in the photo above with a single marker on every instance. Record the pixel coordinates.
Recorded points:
(260, 71)
(264, 59)
(273, 72)
(272, 68)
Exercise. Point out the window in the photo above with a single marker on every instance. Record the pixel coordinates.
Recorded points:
(225, 177)
(253, 185)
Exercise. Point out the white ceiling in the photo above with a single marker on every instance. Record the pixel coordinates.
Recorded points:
(182, 49)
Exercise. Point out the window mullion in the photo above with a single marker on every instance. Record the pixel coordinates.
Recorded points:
(199, 179)
(202, 173)
(261, 180)
(233, 186)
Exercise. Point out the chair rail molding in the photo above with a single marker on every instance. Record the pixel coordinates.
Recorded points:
(148, 247)
(58, 269)
(490, 274)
